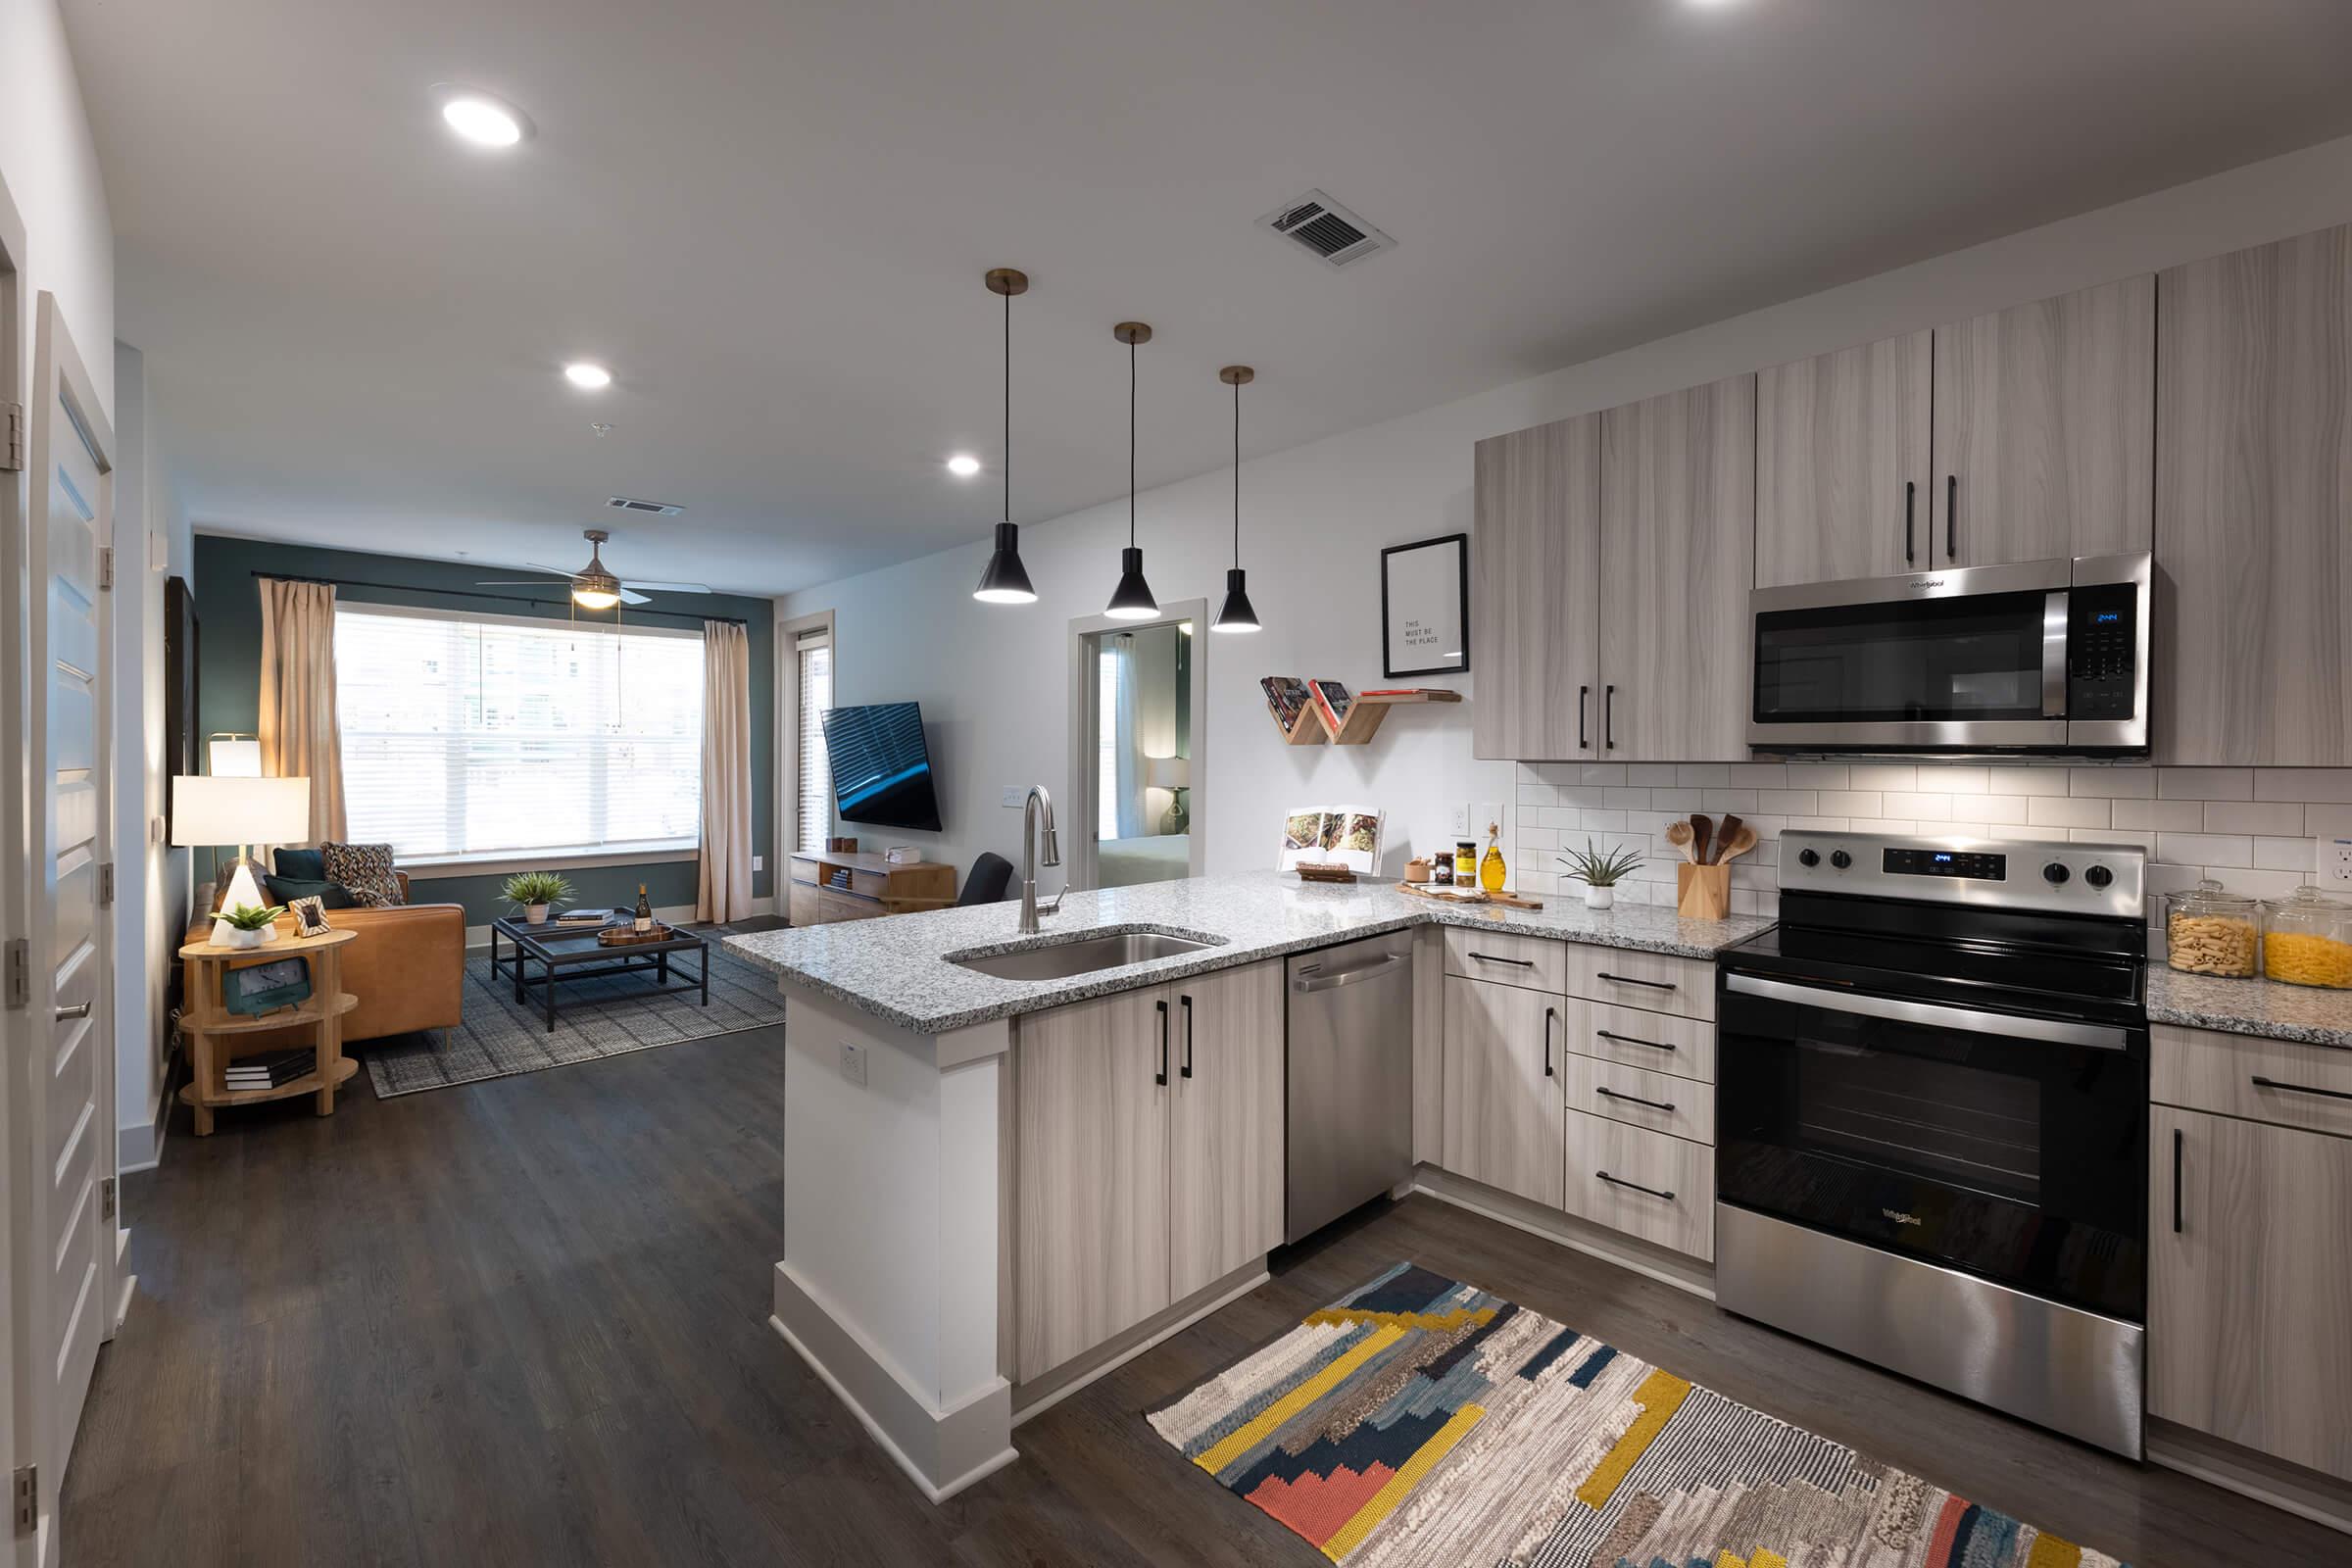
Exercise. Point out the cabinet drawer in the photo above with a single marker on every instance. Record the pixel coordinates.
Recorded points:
(1536, 964)
(1609, 1168)
(807, 871)
(1655, 1042)
(1653, 1099)
(1650, 981)
(2279, 1081)
(803, 903)
(841, 906)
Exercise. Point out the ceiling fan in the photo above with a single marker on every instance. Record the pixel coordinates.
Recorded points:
(593, 586)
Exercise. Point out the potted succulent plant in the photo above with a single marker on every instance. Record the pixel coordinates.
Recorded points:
(1600, 873)
(533, 891)
(247, 925)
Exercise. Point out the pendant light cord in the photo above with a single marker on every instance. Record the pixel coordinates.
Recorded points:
(1236, 473)
(1008, 455)
(1131, 443)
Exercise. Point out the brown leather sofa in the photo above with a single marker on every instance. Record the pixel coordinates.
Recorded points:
(408, 969)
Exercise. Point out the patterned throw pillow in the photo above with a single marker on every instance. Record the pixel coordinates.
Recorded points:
(366, 869)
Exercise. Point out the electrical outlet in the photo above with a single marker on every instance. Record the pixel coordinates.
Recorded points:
(853, 1063)
(2335, 862)
(759, 863)
(1014, 795)
(1461, 820)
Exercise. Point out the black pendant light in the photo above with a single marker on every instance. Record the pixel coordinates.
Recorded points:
(1006, 581)
(1132, 600)
(1236, 614)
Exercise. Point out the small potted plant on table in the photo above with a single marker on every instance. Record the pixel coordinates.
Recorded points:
(1600, 873)
(248, 925)
(533, 891)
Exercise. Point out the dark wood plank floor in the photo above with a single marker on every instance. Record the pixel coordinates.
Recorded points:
(526, 1322)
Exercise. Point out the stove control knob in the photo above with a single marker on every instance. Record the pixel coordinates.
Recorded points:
(2098, 876)
(2055, 874)
(1840, 860)
(1808, 858)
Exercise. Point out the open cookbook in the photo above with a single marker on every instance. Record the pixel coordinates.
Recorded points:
(1330, 835)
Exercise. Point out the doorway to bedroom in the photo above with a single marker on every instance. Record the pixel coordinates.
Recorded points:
(1139, 702)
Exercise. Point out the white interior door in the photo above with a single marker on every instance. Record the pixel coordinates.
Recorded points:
(63, 1099)
(16, 787)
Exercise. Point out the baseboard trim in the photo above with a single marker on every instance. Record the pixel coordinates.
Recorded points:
(1565, 1229)
(942, 1450)
(140, 1146)
(2290, 1488)
(1048, 1389)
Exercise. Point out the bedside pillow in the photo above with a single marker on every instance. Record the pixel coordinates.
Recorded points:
(331, 894)
(366, 869)
(305, 865)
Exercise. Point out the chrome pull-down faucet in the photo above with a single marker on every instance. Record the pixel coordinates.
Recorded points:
(1029, 808)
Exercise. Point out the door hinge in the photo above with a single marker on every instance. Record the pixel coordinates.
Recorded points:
(106, 1198)
(12, 447)
(106, 884)
(29, 1500)
(20, 972)
(105, 567)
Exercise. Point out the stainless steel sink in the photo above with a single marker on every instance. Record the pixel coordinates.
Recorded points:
(1060, 960)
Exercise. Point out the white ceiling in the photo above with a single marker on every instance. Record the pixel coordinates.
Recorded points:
(772, 221)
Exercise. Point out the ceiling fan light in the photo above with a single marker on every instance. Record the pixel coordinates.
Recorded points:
(1132, 600)
(1236, 614)
(1006, 581)
(590, 594)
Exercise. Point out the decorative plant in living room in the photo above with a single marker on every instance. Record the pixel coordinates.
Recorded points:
(1600, 873)
(248, 925)
(533, 891)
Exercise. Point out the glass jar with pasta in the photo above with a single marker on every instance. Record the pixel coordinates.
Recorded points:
(2210, 931)
(2306, 940)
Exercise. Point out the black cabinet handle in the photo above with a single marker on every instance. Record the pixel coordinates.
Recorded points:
(1636, 1099)
(1629, 980)
(2177, 1181)
(1910, 507)
(1548, 1017)
(1584, 702)
(1636, 1186)
(1951, 524)
(1161, 1077)
(2259, 1082)
(1608, 716)
(1188, 1035)
(1516, 964)
(1628, 1040)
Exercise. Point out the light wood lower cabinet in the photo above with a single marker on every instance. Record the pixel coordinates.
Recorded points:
(1502, 1085)
(1133, 1184)
(2250, 1286)
(1642, 1183)
(1656, 1101)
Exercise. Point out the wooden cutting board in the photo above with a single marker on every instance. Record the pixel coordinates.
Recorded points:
(1513, 901)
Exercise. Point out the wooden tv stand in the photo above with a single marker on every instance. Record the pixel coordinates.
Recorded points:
(823, 887)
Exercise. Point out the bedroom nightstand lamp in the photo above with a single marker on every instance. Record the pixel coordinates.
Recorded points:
(1175, 775)
(209, 809)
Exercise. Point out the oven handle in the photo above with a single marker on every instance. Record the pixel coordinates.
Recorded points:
(2099, 1037)
(2053, 654)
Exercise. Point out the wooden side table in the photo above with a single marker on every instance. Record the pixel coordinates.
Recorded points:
(210, 1026)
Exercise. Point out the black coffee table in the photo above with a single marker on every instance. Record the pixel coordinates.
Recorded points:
(572, 952)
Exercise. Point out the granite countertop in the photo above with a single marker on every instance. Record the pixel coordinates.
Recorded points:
(2267, 1007)
(896, 968)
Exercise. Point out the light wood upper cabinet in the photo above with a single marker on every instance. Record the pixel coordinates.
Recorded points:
(1678, 536)
(1502, 1105)
(2045, 430)
(1225, 1143)
(1535, 591)
(1843, 463)
(2249, 1300)
(2252, 656)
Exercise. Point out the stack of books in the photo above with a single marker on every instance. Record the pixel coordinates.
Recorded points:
(588, 918)
(273, 1071)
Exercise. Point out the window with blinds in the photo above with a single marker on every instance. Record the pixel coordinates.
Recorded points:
(815, 652)
(488, 736)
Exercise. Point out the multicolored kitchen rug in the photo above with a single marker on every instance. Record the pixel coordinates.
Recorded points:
(1422, 1421)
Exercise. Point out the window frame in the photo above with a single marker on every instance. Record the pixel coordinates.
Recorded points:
(788, 726)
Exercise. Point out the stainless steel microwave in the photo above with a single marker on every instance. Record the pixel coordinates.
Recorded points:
(2041, 657)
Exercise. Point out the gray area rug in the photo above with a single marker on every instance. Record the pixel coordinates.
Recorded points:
(594, 1018)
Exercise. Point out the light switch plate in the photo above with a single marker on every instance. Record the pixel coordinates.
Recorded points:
(2335, 862)
(853, 1063)
(1014, 795)
(759, 863)
(1480, 813)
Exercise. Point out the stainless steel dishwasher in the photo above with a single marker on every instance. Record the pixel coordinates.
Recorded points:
(1349, 1122)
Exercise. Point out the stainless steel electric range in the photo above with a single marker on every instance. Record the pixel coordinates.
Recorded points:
(1933, 1114)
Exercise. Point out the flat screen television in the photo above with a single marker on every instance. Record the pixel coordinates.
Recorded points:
(881, 768)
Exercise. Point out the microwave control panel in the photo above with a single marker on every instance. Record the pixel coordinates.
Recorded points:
(2102, 643)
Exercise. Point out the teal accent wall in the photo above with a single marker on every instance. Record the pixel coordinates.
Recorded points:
(229, 613)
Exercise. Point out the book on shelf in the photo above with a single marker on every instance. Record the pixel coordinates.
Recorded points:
(1332, 698)
(1286, 699)
(1330, 835)
(278, 1068)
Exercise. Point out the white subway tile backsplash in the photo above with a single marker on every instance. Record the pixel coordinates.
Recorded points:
(1743, 802)
(2285, 854)
(1679, 802)
(1601, 773)
(1630, 798)
(2037, 833)
(2332, 821)
(2163, 816)
(2330, 785)
(1601, 821)
(1789, 802)
(2066, 810)
(1817, 825)
(1850, 802)
(2253, 816)
(2204, 783)
(1883, 776)
(1956, 779)
(2265, 884)
(1921, 807)
(1648, 775)
(2003, 811)
(1704, 775)
(1960, 829)
(2021, 780)
(1532, 792)
(1759, 775)
(2112, 783)
(2109, 835)
(1582, 795)
(2206, 849)
(1818, 775)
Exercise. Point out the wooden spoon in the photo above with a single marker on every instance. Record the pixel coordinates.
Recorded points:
(1702, 833)
(1725, 831)
(1742, 840)
(1678, 834)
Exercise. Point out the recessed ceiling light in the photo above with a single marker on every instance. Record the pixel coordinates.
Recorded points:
(479, 118)
(587, 377)
(963, 464)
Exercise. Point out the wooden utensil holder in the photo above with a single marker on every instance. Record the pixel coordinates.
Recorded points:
(1702, 892)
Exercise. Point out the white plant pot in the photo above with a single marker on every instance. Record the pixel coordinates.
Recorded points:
(534, 913)
(225, 935)
(1600, 897)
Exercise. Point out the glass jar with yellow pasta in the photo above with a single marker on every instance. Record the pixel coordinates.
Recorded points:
(2208, 931)
(2306, 940)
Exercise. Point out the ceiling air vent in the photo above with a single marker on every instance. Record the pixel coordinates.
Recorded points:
(657, 508)
(1331, 232)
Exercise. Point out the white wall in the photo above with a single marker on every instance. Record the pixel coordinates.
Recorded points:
(51, 168)
(990, 678)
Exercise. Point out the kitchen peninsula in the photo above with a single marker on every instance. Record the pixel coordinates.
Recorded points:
(996, 1188)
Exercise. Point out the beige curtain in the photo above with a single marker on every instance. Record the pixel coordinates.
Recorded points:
(723, 891)
(300, 738)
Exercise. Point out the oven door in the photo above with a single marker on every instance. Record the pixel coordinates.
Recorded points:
(1963, 659)
(2007, 1147)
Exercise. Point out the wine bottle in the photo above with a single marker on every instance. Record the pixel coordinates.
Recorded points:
(645, 911)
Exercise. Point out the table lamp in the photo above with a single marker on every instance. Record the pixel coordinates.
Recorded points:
(207, 809)
(1175, 775)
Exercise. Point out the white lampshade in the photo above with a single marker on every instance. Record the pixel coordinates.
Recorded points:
(208, 810)
(1168, 773)
(232, 757)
